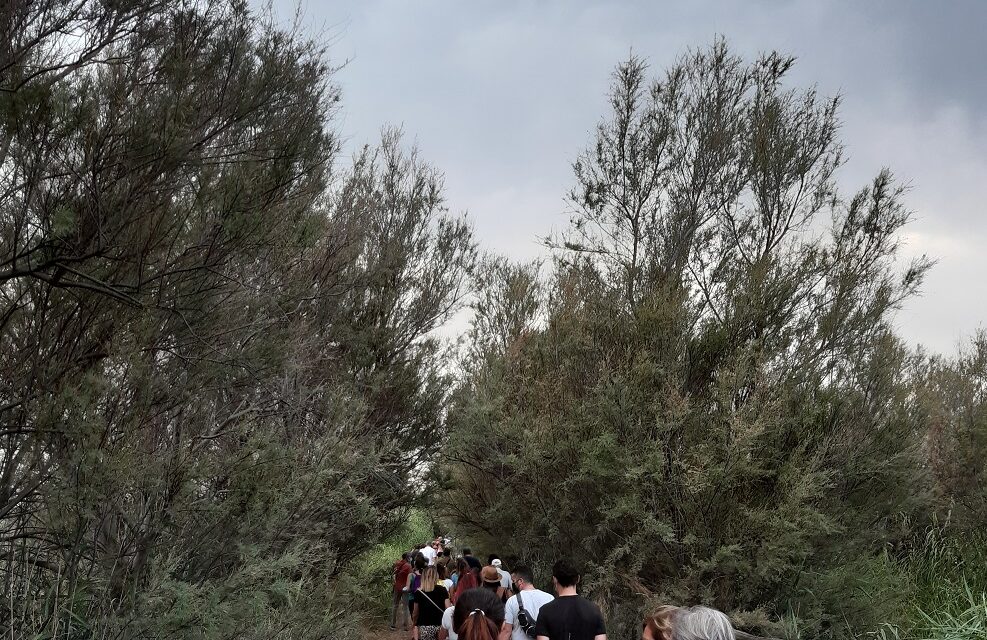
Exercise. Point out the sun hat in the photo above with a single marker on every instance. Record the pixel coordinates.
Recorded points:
(490, 574)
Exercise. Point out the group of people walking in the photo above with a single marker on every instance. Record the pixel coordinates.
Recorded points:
(438, 597)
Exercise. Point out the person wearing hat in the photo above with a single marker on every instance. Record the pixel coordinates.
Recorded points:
(505, 576)
(490, 579)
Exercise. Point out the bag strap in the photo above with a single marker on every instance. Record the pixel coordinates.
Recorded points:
(442, 611)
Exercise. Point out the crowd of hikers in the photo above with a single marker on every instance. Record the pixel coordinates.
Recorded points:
(441, 597)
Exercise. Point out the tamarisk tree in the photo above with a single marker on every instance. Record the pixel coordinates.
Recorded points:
(215, 347)
(706, 405)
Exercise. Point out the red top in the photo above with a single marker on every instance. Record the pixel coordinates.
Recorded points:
(401, 571)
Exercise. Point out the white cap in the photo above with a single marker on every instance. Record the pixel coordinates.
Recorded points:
(496, 562)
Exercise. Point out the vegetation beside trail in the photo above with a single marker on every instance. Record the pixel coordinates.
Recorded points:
(703, 399)
(225, 409)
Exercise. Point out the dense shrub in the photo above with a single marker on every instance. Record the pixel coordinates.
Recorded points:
(703, 402)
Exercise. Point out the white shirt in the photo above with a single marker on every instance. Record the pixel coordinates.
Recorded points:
(505, 578)
(429, 554)
(533, 600)
(447, 623)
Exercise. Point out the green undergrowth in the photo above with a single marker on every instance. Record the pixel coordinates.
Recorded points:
(945, 579)
(369, 577)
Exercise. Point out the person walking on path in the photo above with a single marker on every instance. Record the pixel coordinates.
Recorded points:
(430, 553)
(473, 561)
(490, 579)
(402, 569)
(505, 576)
(419, 565)
(430, 602)
(703, 623)
(467, 579)
(446, 630)
(479, 615)
(526, 598)
(570, 616)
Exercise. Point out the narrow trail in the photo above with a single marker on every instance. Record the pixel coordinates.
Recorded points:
(386, 634)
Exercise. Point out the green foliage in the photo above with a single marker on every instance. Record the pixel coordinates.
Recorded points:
(703, 402)
(371, 573)
(216, 352)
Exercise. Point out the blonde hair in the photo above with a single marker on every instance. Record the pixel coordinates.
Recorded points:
(661, 621)
(429, 578)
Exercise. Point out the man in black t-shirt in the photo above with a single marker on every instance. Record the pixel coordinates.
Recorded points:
(570, 616)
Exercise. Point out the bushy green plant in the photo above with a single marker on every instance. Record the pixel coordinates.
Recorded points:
(703, 401)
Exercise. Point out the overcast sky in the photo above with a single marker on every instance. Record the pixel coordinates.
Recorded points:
(502, 95)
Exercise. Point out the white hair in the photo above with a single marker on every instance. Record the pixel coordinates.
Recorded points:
(702, 623)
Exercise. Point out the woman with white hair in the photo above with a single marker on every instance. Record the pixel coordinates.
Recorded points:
(687, 623)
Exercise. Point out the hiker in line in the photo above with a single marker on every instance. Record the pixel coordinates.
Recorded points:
(570, 616)
(429, 552)
(659, 623)
(443, 578)
(445, 560)
(467, 579)
(505, 576)
(430, 601)
(490, 579)
(446, 630)
(688, 623)
(479, 615)
(415, 580)
(401, 570)
(474, 562)
(526, 598)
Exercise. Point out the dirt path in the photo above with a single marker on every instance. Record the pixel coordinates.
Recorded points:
(386, 634)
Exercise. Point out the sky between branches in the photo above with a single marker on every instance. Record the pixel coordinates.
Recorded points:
(502, 95)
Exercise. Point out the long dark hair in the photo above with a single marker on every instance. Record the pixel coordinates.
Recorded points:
(479, 615)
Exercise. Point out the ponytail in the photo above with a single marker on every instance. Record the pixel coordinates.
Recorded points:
(477, 626)
(479, 615)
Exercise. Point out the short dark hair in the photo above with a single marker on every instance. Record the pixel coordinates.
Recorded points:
(447, 553)
(525, 574)
(466, 551)
(566, 572)
(492, 557)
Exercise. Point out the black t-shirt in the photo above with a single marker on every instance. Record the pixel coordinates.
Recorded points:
(431, 606)
(570, 618)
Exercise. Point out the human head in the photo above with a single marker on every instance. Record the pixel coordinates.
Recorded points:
(522, 577)
(447, 553)
(467, 552)
(429, 577)
(660, 623)
(420, 562)
(479, 615)
(565, 573)
(492, 557)
(702, 623)
(490, 577)
(441, 570)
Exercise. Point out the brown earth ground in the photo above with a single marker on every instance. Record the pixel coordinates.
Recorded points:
(385, 634)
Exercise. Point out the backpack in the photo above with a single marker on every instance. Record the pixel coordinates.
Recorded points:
(524, 619)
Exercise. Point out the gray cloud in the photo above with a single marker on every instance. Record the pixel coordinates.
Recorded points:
(502, 95)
